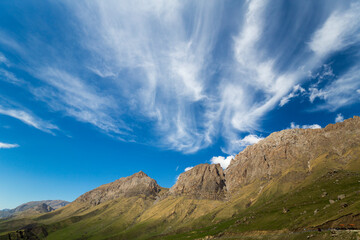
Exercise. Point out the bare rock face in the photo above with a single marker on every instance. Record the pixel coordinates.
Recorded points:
(134, 185)
(203, 181)
(292, 149)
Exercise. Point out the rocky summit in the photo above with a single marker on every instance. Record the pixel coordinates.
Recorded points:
(293, 151)
(134, 185)
(203, 181)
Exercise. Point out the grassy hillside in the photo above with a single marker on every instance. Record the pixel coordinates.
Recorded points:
(293, 215)
(293, 204)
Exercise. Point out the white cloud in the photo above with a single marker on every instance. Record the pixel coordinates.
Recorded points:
(293, 125)
(316, 93)
(70, 94)
(188, 168)
(358, 91)
(340, 92)
(340, 30)
(325, 73)
(224, 162)
(259, 85)
(8, 145)
(9, 42)
(4, 60)
(167, 59)
(250, 139)
(239, 144)
(339, 118)
(157, 62)
(9, 77)
(297, 90)
(29, 119)
(312, 126)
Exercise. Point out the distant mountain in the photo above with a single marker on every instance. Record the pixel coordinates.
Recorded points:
(294, 184)
(33, 208)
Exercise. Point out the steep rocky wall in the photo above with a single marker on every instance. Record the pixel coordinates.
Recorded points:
(203, 181)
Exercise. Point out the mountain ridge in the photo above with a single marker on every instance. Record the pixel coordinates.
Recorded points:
(33, 208)
(278, 184)
(136, 184)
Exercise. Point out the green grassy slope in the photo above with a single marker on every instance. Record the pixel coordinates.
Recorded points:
(306, 208)
(253, 211)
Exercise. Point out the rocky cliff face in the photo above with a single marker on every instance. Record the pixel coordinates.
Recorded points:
(292, 149)
(203, 181)
(134, 185)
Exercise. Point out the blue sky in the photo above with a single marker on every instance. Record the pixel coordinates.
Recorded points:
(91, 91)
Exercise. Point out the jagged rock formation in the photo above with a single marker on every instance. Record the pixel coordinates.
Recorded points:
(32, 208)
(292, 150)
(134, 185)
(203, 181)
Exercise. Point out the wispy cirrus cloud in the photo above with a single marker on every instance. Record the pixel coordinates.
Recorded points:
(29, 119)
(73, 96)
(3, 59)
(340, 92)
(340, 30)
(297, 90)
(166, 56)
(10, 77)
(8, 145)
(185, 72)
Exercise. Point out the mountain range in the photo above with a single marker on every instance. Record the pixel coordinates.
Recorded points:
(33, 208)
(294, 184)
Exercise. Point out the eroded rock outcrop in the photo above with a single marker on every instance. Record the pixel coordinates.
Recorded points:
(294, 151)
(134, 185)
(203, 181)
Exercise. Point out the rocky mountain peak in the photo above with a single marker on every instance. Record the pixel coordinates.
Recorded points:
(139, 174)
(206, 181)
(134, 185)
(292, 149)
